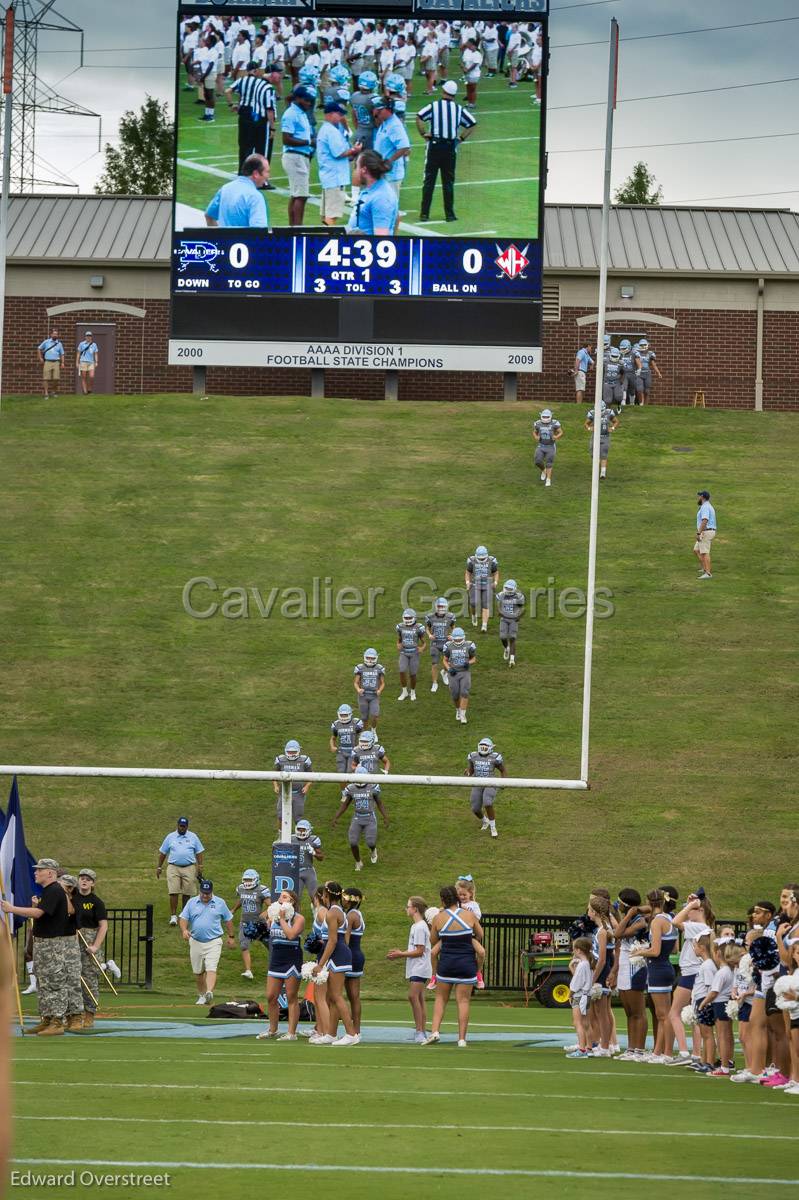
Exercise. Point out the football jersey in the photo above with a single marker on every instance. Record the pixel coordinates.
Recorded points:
(252, 900)
(546, 431)
(510, 604)
(370, 676)
(484, 765)
(440, 627)
(628, 362)
(305, 845)
(346, 733)
(481, 570)
(459, 655)
(363, 798)
(301, 763)
(410, 637)
(605, 421)
(368, 758)
(646, 357)
(613, 371)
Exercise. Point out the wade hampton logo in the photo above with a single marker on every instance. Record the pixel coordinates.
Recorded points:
(512, 261)
(203, 254)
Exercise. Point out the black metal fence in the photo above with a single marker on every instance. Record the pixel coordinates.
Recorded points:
(507, 935)
(129, 943)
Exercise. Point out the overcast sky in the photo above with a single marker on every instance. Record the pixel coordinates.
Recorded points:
(128, 53)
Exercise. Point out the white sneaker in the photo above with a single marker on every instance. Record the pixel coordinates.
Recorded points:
(209, 997)
(461, 1042)
(373, 856)
(113, 969)
(548, 483)
(445, 676)
(506, 653)
(31, 988)
(543, 477)
(173, 920)
(494, 831)
(347, 1039)
(598, 1052)
(200, 999)
(483, 828)
(614, 1048)
(744, 1076)
(320, 1039)
(791, 1089)
(403, 694)
(484, 629)
(265, 1034)
(474, 621)
(287, 1037)
(512, 662)
(771, 1069)
(706, 575)
(463, 717)
(359, 865)
(602, 473)
(434, 687)
(247, 975)
(432, 1039)
(420, 1038)
(457, 714)
(413, 694)
(628, 1056)
(682, 1059)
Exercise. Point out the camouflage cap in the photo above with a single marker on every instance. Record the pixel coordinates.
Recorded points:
(88, 872)
(46, 864)
(69, 880)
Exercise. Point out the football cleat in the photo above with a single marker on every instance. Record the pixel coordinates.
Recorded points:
(292, 749)
(344, 713)
(370, 657)
(303, 830)
(485, 746)
(250, 878)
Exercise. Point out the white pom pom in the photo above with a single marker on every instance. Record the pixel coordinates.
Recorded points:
(596, 991)
(287, 910)
(745, 968)
(731, 1008)
(429, 913)
(307, 970)
(688, 1016)
(321, 977)
(636, 964)
(784, 984)
(273, 912)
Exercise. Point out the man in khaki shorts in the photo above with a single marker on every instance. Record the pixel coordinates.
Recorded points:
(183, 852)
(297, 134)
(51, 357)
(705, 532)
(201, 925)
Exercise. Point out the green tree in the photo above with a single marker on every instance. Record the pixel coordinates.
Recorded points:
(640, 188)
(141, 165)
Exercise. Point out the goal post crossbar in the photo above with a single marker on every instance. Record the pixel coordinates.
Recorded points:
(292, 777)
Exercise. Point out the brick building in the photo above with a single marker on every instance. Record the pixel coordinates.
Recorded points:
(716, 291)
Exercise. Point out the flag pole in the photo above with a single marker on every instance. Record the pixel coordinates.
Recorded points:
(97, 964)
(600, 337)
(6, 917)
(8, 100)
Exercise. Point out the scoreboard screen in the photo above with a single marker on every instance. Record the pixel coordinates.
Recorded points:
(373, 182)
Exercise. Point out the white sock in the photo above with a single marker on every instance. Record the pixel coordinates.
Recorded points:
(209, 112)
(492, 824)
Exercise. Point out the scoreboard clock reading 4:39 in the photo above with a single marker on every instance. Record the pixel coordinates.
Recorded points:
(395, 216)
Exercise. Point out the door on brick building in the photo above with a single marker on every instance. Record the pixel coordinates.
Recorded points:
(105, 335)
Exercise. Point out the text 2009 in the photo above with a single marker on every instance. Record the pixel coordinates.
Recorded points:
(521, 360)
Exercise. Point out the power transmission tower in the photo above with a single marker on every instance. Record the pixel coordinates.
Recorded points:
(32, 95)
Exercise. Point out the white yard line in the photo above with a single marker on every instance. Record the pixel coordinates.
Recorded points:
(339, 1168)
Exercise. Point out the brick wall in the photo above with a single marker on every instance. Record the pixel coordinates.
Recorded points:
(713, 350)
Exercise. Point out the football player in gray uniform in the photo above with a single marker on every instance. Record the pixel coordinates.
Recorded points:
(410, 642)
(648, 365)
(482, 763)
(344, 733)
(252, 897)
(481, 576)
(613, 377)
(608, 420)
(292, 759)
(310, 846)
(369, 679)
(370, 754)
(510, 605)
(365, 799)
(440, 623)
(546, 432)
(459, 654)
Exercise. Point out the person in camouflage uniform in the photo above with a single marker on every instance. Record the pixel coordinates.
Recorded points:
(75, 1011)
(92, 919)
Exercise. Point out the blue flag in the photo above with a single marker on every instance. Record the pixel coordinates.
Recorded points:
(16, 864)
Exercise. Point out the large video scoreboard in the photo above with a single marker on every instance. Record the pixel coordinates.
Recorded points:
(453, 280)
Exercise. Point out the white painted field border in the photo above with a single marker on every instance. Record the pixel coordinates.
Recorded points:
(428, 1172)
(459, 1128)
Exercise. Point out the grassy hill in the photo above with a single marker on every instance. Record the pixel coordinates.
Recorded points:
(110, 504)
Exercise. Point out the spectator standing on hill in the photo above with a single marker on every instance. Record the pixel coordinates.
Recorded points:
(183, 852)
(201, 925)
(87, 360)
(51, 357)
(705, 532)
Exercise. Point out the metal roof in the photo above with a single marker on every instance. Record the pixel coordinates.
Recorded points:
(134, 230)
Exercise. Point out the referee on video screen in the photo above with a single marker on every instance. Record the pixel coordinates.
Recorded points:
(446, 119)
(255, 104)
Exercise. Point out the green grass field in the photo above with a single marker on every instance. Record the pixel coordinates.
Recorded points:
(497, 178)
(112, 503)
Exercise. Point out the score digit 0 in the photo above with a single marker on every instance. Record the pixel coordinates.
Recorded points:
(472, 262)
(239, 255)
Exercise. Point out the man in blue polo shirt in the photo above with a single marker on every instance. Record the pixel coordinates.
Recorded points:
(201, 925)
(705, 532)
(582, 364)
(239, 204)
(391, 140)
(333, 157)
(298, 148)
(184, 864)
(51, 356)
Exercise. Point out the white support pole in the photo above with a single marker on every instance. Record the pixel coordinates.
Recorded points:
(600, 337)
(285, 810)
(8, 82)
(284, 776)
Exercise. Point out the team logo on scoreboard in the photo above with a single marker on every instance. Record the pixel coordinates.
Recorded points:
(203, 254)
(512, 261)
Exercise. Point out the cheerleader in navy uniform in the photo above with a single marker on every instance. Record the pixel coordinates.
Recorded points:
(629, 971)
(456, 936)
(603, 946)
(285, 963)
(315, 944)
(352, 900)
(337, 958)
(660, 973)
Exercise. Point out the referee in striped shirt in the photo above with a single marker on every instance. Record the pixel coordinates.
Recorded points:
(446, 120)
(255, 105)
